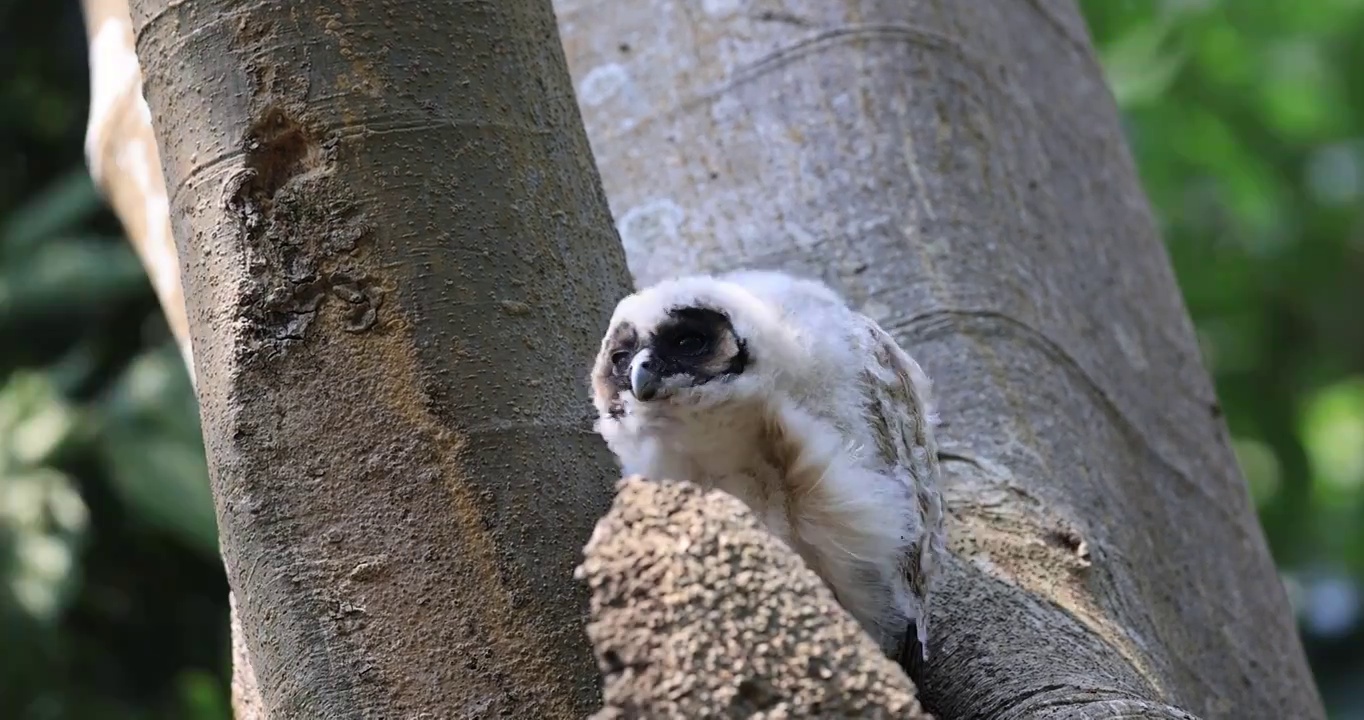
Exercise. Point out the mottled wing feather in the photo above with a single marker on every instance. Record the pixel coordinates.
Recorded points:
(899, 406)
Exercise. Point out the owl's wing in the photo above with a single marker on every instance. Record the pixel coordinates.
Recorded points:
(899, 404)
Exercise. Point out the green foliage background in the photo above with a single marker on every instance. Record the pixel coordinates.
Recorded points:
(1246, 120)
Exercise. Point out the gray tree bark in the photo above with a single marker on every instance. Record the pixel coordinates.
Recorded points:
(397, 258)
(959, 171)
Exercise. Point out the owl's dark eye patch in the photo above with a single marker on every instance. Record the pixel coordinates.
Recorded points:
(690, 342)
(690, 333)
(620, 357)
(698, 343)
(699, 316)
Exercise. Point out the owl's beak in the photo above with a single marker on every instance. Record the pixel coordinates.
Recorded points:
(644, 378)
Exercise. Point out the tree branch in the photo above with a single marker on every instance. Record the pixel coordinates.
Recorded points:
(697, 611)
(121, 152)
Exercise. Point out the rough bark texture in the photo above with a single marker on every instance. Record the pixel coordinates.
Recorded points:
(121, 152)
(675, 639)
(397, 258)
(957, 168)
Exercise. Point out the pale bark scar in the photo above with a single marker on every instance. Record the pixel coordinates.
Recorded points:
(509, 627)
(124, 161)
(1007, 533)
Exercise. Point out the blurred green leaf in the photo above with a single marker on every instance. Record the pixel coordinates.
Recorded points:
(1140, 65)
(42, 517)
(63, 205)
(1333, 432)
(1300, 90)
(34, 420)
(1260, 467)
(69, 273)
(1225, 56)
(154, 450)
(202, 697)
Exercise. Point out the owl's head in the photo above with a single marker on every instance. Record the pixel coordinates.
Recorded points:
(690, 342)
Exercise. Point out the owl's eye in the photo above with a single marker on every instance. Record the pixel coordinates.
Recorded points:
(619, 357)
(691, 344)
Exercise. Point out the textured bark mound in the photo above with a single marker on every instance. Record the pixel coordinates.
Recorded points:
(698, 612)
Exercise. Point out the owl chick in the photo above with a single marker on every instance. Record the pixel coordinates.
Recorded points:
(769, 387)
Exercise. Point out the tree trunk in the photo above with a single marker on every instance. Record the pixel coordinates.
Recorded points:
(397, 259)
(959, 171)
